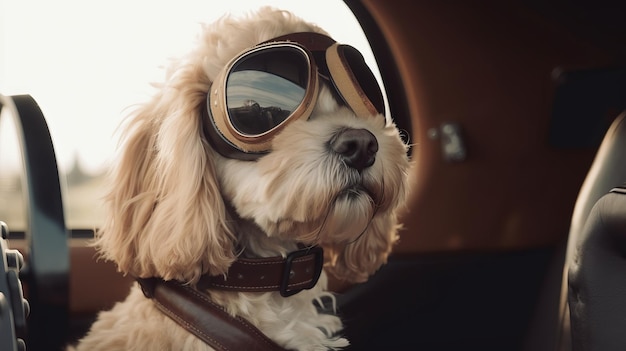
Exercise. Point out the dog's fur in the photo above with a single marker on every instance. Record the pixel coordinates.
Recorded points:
(168, 208)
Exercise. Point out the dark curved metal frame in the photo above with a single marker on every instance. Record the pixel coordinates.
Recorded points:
(47, 269)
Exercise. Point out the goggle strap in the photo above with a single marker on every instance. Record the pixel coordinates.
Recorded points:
(347, 84)
(310, 40)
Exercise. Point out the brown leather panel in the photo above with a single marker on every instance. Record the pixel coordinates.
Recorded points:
(487, 67)
(95, 285)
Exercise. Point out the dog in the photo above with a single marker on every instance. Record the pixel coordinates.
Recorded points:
(187, 199)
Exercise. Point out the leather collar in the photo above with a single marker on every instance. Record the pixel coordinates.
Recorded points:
(300, 270)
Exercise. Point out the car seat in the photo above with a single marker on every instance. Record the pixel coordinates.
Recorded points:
(593, 298)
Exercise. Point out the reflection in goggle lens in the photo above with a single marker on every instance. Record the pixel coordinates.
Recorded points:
(264, 88)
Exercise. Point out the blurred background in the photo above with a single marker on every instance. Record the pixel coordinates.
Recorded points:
(87, 62)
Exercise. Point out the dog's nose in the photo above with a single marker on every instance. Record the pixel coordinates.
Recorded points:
(357, 147)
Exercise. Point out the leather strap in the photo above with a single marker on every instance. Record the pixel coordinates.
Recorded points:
(194, 311)
(300, 270)
(311, 40)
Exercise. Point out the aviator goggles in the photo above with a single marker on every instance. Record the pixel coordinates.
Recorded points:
(277, 82)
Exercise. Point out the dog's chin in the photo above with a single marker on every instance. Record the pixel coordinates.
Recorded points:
(348, 216)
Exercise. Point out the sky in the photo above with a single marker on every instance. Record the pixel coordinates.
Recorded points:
(74, 57)
(268, 90)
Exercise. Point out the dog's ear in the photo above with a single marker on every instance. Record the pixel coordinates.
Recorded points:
(356, 261)
(166, 216)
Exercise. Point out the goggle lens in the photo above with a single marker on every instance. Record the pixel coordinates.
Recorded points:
(264, 88)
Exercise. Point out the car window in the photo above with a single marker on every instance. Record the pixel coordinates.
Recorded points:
(12, 193)
(87, 63)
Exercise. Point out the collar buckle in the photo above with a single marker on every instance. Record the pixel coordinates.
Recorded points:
(288, 272)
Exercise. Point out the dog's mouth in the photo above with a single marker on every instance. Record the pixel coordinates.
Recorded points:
(352, 192)
(358, 190)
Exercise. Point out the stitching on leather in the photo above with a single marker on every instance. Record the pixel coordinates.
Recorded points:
(186, 325)
(239, 320)
(298, 260)
(262, 287)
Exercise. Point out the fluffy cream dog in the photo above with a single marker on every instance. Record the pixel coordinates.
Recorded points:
(178, 209)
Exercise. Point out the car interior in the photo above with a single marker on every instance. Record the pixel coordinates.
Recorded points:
(514, 233)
